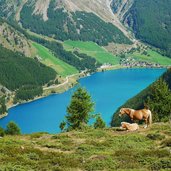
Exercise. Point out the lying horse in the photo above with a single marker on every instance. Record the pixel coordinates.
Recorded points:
(144, 114)
(129, 127)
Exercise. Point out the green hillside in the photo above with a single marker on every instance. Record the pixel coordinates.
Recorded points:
(151, 56)
(150, 21)
(89, 150)
(92, 49)
(49, 59)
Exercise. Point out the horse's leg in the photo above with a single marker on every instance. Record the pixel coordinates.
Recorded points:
(146, 123)
(132, 118)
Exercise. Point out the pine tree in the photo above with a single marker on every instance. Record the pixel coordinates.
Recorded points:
(159, 101)
(99, 123)
(79, 109)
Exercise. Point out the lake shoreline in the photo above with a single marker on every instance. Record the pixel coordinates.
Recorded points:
(109, 90)
(110, 68)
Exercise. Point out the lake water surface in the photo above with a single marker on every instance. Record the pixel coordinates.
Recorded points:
(109, 90)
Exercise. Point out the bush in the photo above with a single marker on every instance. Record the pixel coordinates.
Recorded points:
(99, 123)
(12, 129)
(155, 136)
(166, 143)
(2, 132)
(161, 164)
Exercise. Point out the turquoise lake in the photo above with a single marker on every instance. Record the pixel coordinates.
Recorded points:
(109, 90)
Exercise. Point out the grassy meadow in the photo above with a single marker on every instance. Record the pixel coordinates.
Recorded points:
(93, 50)
(152, 56)
(90, 149)
(49, 59)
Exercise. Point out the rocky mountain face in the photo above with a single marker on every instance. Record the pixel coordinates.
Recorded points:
(14, 40)
(121, 7)
(9, 8)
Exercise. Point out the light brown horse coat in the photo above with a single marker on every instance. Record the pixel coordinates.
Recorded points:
(143, 114)
(130, 127)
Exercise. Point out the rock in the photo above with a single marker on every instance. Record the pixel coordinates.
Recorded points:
(22, 148)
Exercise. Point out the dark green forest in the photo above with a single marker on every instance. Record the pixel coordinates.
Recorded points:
(157, 97)
(3, 108)
(17, 71)
(28, 92)
(151, 22)
(75, 26)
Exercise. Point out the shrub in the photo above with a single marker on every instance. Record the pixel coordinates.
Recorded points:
(99, 123)
(155, 136)
(166, 143)
(161, 164)
(12, 129)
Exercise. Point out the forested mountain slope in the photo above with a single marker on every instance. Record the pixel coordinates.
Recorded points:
(150, 20)
(23, 74)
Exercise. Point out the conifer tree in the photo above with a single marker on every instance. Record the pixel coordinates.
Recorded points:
(79, 110)
(159, 101)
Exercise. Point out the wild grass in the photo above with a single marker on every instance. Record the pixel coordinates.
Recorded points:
(49, 59)
(91, 150)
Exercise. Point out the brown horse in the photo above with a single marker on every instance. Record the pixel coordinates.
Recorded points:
(143, 114)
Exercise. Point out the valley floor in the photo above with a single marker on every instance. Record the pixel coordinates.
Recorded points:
(91, 150)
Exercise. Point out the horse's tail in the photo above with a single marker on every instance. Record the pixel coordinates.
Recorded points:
(150, 118)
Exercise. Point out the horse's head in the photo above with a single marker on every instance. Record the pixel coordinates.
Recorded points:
(124, 111)
(123, 124)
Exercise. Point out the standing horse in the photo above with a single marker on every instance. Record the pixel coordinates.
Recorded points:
(143, 114)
